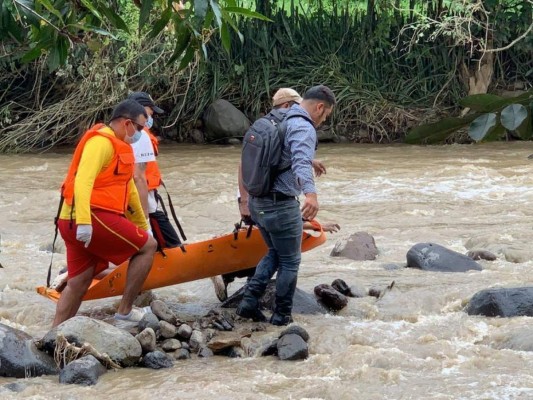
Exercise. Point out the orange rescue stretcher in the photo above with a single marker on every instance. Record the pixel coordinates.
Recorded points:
(233, 252)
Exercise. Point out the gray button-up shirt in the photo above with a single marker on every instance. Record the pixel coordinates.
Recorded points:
(299, 151)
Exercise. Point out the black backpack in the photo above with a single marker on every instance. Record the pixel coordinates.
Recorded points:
(261, 151)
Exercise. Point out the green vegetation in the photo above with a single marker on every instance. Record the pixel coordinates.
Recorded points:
(392, 64)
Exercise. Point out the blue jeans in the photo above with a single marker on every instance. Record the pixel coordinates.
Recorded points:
(280, 223)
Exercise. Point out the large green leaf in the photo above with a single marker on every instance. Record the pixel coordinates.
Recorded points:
(513, 115)
(492, 103)
(91, 28)
(26, 8)
(46, 4)
(89, 5)
(183, 37)
(438, 131)
(525, 130)
(32, 54)
(225, 37)
(481, 126)
(187, 58)
(216, 10)
(54, 58)
(227, 18)
(210, 16)
(481, 102)
(114, 18)
(144, 14)
(247, 13)
(495, 133)
(8, 24)
(161, 22)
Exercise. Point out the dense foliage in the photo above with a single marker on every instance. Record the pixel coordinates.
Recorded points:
(392, 64)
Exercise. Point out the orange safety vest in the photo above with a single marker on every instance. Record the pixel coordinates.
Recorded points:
(111, 190)
(152, 172)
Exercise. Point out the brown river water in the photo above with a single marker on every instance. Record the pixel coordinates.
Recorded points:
(414, 343)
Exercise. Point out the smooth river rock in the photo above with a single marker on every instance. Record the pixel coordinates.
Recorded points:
(434, 257)
(360, 246)
(502, 302)
(20, 358)
(83, 371)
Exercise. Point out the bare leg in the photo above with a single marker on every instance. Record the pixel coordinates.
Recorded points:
(70, 300)
(138, 270)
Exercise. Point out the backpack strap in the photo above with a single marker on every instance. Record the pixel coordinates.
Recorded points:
(173, 212)
(56, 230)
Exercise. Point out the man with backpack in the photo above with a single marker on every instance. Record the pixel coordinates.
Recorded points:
(277, 165)
(283, 99)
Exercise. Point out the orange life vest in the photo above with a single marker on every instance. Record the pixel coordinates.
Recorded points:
(152, 172)
(111, 189)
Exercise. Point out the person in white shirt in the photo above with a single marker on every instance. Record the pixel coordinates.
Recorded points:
(148, 177)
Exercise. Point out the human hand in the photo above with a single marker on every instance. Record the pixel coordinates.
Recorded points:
(318, 167)
(84, 232)
(244, 210)
(310, 207)
(330, 227)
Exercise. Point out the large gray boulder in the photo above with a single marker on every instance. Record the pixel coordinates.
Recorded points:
(303, 302)
(434, 257)
(118, 344)
(20, 358)
(222, 120)
(502, 302)
(359, 247)
(83, 371)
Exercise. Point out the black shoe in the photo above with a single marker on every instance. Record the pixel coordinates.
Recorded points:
(280, 320)
(254, 314)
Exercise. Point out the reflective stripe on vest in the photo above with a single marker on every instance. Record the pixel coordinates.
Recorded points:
(111, 189)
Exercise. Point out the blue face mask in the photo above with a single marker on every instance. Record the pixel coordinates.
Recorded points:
(136, 136)
(149, 122)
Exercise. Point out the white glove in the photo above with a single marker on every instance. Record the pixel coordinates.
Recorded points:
(59, 280)
(84, 234)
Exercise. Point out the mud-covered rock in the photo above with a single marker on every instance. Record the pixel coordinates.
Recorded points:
(331, 298)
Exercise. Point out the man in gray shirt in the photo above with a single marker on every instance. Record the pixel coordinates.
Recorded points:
(278, 214)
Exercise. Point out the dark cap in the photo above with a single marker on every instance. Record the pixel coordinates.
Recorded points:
(146, 100)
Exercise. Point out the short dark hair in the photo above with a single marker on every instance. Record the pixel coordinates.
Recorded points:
(321, 93)
(129, 109)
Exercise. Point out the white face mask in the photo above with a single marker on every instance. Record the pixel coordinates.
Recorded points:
(149, 122)
(135, 137)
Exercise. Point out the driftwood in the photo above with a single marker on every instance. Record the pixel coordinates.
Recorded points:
(66, 352)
